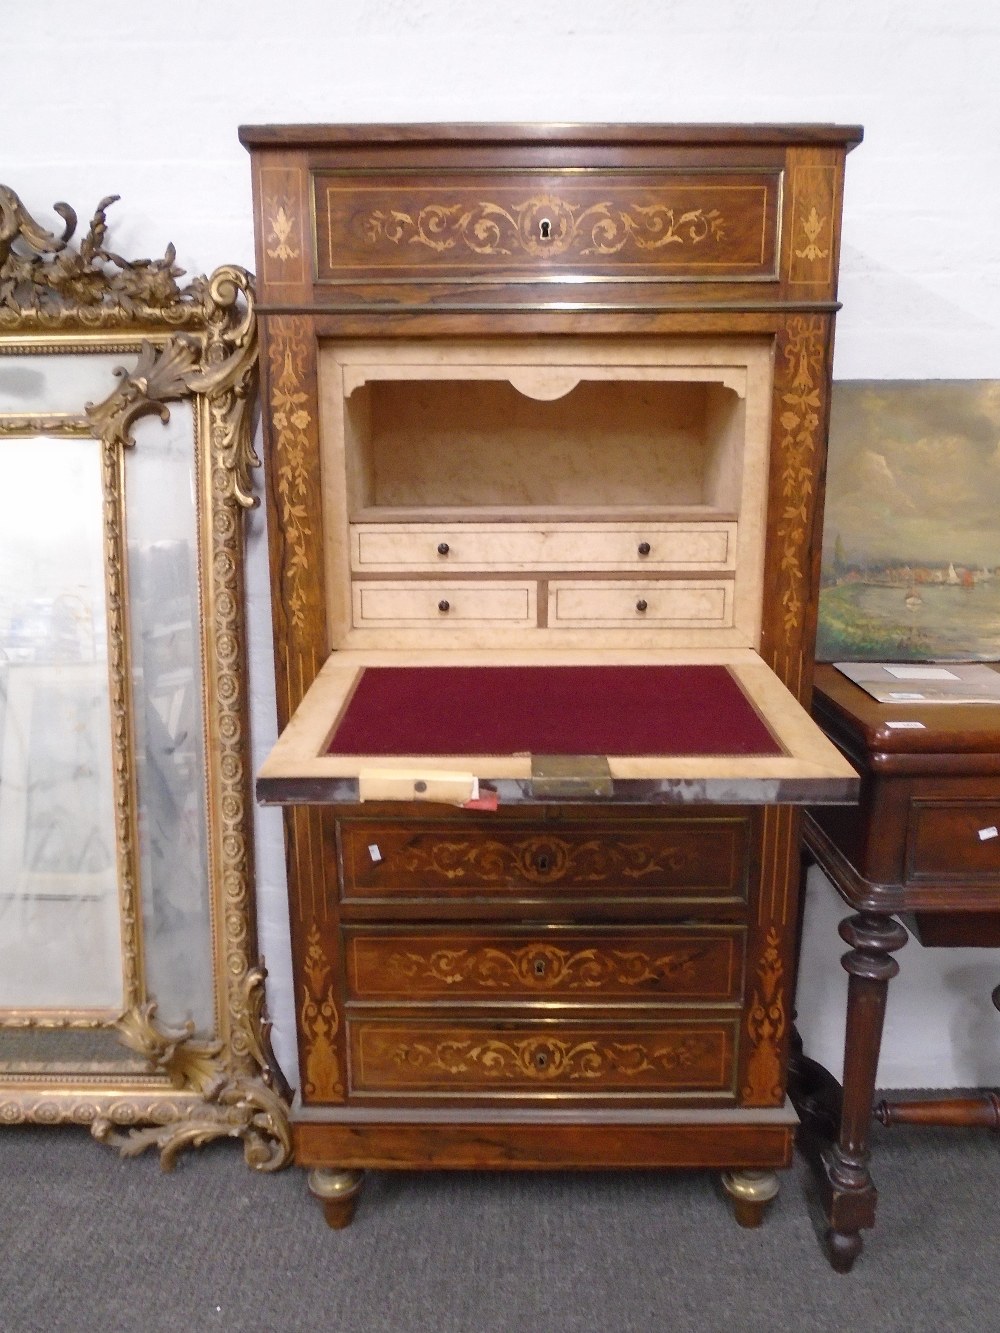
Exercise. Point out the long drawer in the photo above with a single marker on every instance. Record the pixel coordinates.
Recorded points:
(682, 963)
(687, 603)
(677, 856)
(430, 605)
(424, 1055)
(384, 548)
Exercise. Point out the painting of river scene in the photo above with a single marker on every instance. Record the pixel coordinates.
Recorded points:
(911, 540)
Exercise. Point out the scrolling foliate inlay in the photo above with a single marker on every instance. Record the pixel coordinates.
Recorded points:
(282, 227)
(544, 1059)
(766, 1024)
(545, 967)
(252, 1108)
(544, 226)
(44, 279)
(319, 1021)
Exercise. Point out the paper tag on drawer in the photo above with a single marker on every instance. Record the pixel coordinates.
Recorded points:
(986, 833)
(906, 726)
(414, 784)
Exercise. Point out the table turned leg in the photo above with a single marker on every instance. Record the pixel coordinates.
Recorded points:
(750, 1192)
(849, 1195)
(337, 1191)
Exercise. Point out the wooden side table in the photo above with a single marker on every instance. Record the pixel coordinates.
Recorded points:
(923, 840)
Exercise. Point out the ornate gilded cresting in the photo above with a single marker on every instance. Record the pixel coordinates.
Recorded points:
(176, 1083)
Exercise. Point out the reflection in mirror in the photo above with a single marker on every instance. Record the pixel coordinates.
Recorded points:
(46, 384)
(165, 621)
(60, 934)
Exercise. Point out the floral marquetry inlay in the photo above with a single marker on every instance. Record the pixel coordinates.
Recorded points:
(667, 1059)
(291, 422)
(766, 1024)
(319, 1023)
(283, 227)
(814, 227)
(544, 226)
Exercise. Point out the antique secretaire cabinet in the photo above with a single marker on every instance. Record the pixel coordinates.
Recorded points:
(545, 420)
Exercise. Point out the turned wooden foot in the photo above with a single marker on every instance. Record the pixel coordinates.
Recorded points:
(750, 1192)
(337, 1192)
(842, 1248)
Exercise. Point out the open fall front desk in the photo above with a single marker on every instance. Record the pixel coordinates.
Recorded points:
(545, 429)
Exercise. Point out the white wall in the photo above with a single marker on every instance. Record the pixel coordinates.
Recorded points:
(143, 100)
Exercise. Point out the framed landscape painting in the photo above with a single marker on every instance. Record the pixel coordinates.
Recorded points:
(911, 541)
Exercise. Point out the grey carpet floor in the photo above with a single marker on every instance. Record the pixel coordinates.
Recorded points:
(90, 1243)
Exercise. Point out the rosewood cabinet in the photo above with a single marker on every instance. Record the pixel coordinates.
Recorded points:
(545, 424)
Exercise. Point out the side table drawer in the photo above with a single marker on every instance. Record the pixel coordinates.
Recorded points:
(416, 1056)
(943, 841)
(677, 963)
(690, 857)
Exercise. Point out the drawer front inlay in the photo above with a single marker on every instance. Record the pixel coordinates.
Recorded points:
(427, 1056)
(943, 841)
(704, 857)
(418, 225)
(682, 963)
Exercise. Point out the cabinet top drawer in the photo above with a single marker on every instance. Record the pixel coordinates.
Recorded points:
(953, 840)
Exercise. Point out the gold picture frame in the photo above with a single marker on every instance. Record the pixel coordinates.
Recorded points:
(140, 1070)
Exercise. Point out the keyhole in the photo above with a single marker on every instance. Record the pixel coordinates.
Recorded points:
(545, 229)
(539, 967)
(541, 1060)
(542, 862)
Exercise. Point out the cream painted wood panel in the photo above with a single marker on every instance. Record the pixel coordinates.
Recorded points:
(477, 546)
(441, 604)
(679, 602)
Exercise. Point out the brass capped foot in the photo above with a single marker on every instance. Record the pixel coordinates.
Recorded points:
(337, 1192)
(750, 1192)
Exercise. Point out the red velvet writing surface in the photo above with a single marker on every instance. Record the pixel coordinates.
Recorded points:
(608, 710)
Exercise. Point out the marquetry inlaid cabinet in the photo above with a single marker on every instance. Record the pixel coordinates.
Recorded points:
(545, 420)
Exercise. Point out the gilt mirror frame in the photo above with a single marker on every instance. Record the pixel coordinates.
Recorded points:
(178, 1084)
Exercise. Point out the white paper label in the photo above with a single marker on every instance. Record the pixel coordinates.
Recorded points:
(921, 673)
(904, 696)
(986, 833)
(906, 726)
(374, 852)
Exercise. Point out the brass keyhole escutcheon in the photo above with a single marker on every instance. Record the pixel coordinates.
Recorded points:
(539, 967)
(541, 1060)
(545, 229)
(542, 862)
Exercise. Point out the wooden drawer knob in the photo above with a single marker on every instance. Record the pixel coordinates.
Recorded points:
(444, 604)
(641, 604)
(443, 548)
(644, 548)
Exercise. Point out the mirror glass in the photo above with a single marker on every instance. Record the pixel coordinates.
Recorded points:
(60, 931)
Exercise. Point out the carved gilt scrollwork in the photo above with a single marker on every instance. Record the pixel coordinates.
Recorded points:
(251, 1108)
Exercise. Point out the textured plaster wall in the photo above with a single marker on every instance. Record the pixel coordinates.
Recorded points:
(143, 100)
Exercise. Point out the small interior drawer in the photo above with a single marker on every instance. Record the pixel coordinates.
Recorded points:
(426, 605)
(424, 1055)
(379, 548)
(671, 963)
(678, 602)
